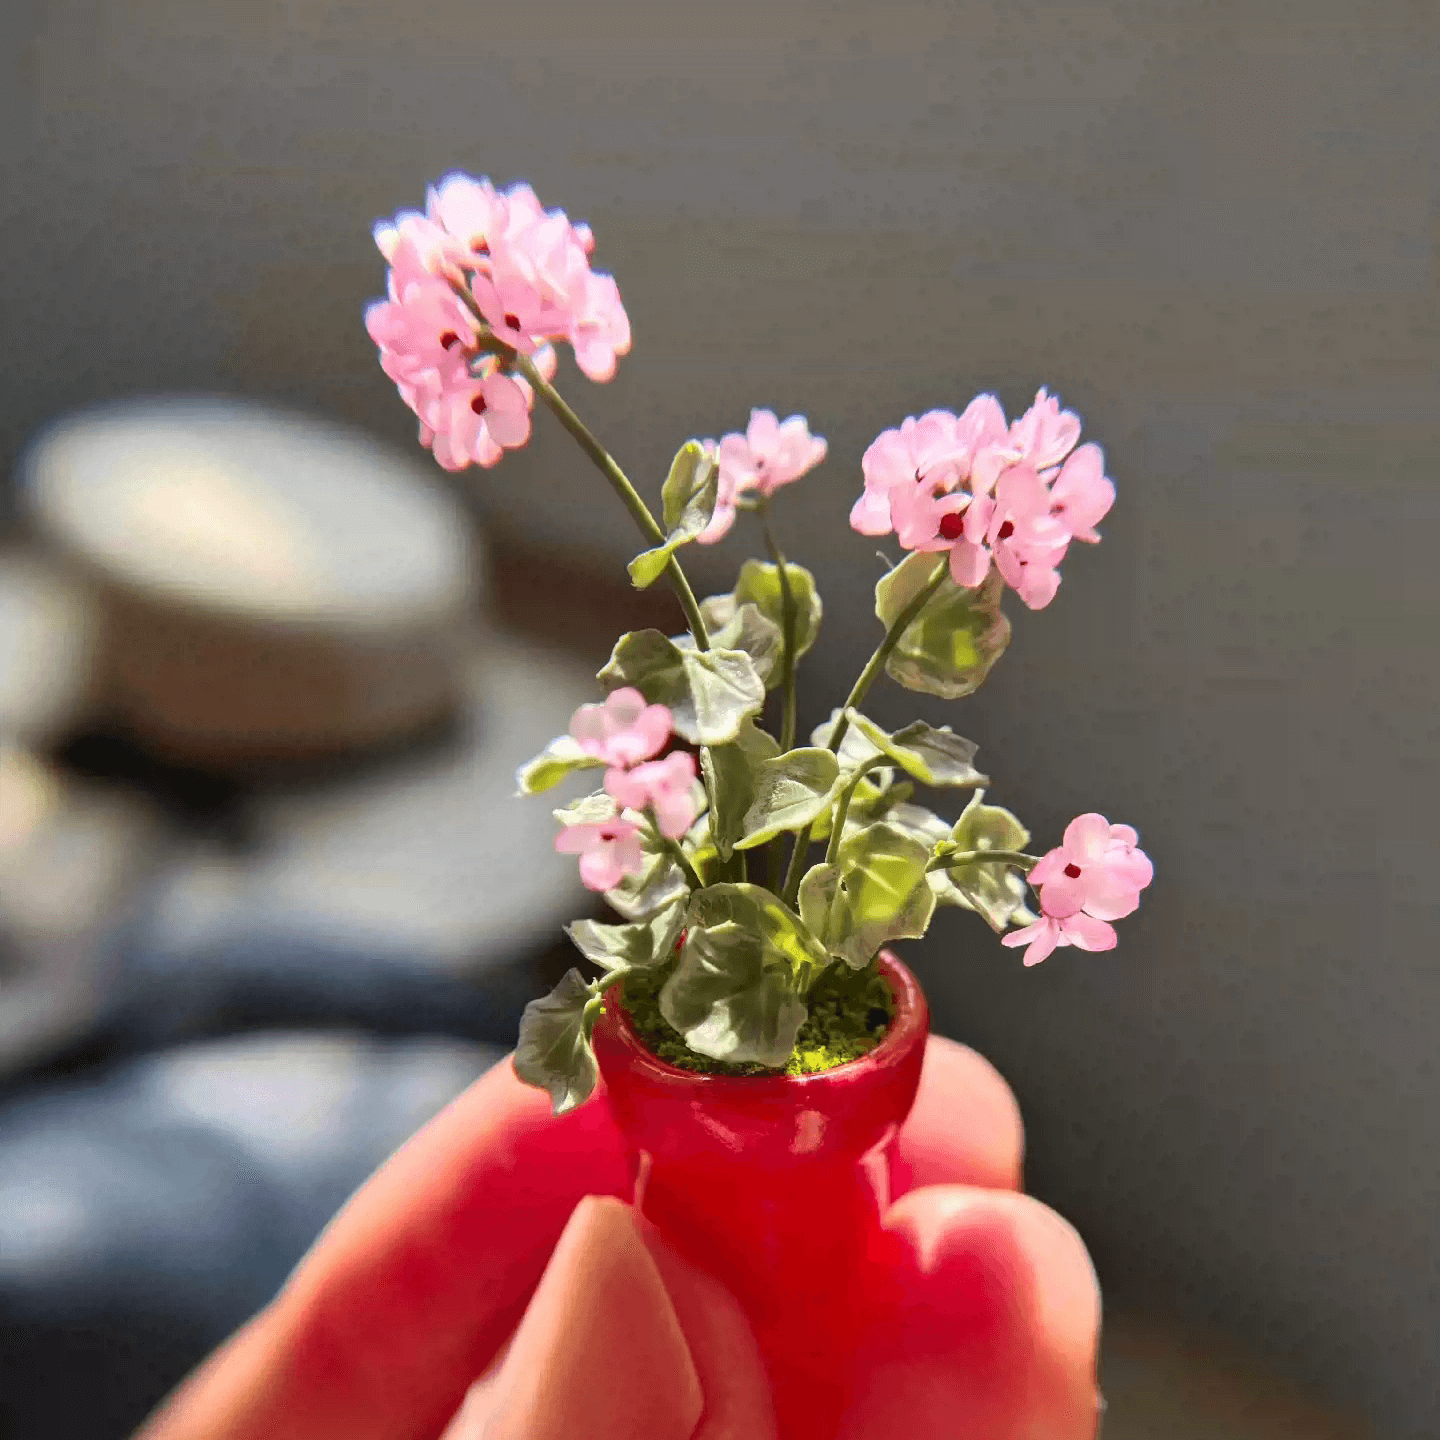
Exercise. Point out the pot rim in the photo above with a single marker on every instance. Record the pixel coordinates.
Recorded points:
(910, 1024)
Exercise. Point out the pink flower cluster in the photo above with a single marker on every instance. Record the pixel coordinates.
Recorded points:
(1013, 495)
(768, 455)
(480, 263)
(627, 733)
(1094, 876)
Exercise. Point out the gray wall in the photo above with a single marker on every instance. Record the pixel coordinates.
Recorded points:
(1210, 227)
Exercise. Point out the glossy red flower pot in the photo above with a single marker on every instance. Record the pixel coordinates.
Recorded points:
(775, 1185)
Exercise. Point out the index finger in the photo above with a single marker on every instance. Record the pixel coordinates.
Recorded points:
(417, 1283)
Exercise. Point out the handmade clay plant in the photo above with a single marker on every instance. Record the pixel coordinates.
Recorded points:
(759, 1045)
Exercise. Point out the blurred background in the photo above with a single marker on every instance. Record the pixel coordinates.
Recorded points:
(265, 673)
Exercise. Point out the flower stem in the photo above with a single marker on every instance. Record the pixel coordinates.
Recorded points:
(970, 857)
(789, 616)
(858, 692)
(676, 853)
(620, 483)
(883, 652)
(842, 808)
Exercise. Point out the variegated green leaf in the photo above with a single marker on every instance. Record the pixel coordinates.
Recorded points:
(561, 757)
(710, 693)
(630, 947)
(934, 757)
(553, 1050)
(948, 649)
(874, 892)
(688, 497)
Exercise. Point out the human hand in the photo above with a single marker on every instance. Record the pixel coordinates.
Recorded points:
(497, 1244)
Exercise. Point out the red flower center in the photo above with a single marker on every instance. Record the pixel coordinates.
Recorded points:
(478, 403)
(1073, 871)
(448, 339)
(952, 526)
(1006, 531)
(512, 320)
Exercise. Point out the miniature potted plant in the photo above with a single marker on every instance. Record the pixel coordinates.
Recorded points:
(759, 1045)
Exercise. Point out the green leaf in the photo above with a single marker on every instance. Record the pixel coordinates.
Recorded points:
(875, 892)
(994, 890)
(790, 792)
(553, 1051)
(735, 993)
(629, 947)
(730, 773)
(933, 757)
(688, 498)
(659, 884)
(748, 630)
(856, 752)
(759, 585)
(592, 809)
(561, 757)
(948, 649)
(767, 915)
(876, 796)
(710, 693)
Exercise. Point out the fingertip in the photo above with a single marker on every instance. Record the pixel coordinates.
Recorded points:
(600, 1350)
(965, 1127)
(988, 1309)
(726, 1354)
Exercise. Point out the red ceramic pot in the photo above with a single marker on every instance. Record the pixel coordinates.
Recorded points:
(776, 1185)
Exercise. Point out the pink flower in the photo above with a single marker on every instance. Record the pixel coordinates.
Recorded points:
(599, 327)
(1045, 934)
(924, 452)
(479, 262)
(726, 494)
(1081, 495)
(986, 492)
(624, 730)
(1045, 434)
(768, 455)
(1097, 867)
(608, 850)
(1093, 876)
(424, 326)
(473, 418)
(663, 787)
(925, 458)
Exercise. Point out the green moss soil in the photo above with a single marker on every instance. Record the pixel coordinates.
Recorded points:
(849, 1015)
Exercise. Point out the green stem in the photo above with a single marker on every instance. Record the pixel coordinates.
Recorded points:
(676, 853)
(858, 692)
(842, 808)
(789, 615)
(971, 857)
(600, 986)
(883, 652)
(604, 461)
(620, 483)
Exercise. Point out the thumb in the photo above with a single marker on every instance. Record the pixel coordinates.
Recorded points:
(599, 1352)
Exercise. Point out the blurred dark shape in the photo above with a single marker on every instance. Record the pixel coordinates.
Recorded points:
(257, 775)
(273, 587)
(74, 860)
(150, 1208)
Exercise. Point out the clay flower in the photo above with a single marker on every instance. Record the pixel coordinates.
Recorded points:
(663, 787)
(768, 455)
(1093, 876)
(624, 730)
(609, 850)
(986, 492)
(477, 255)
